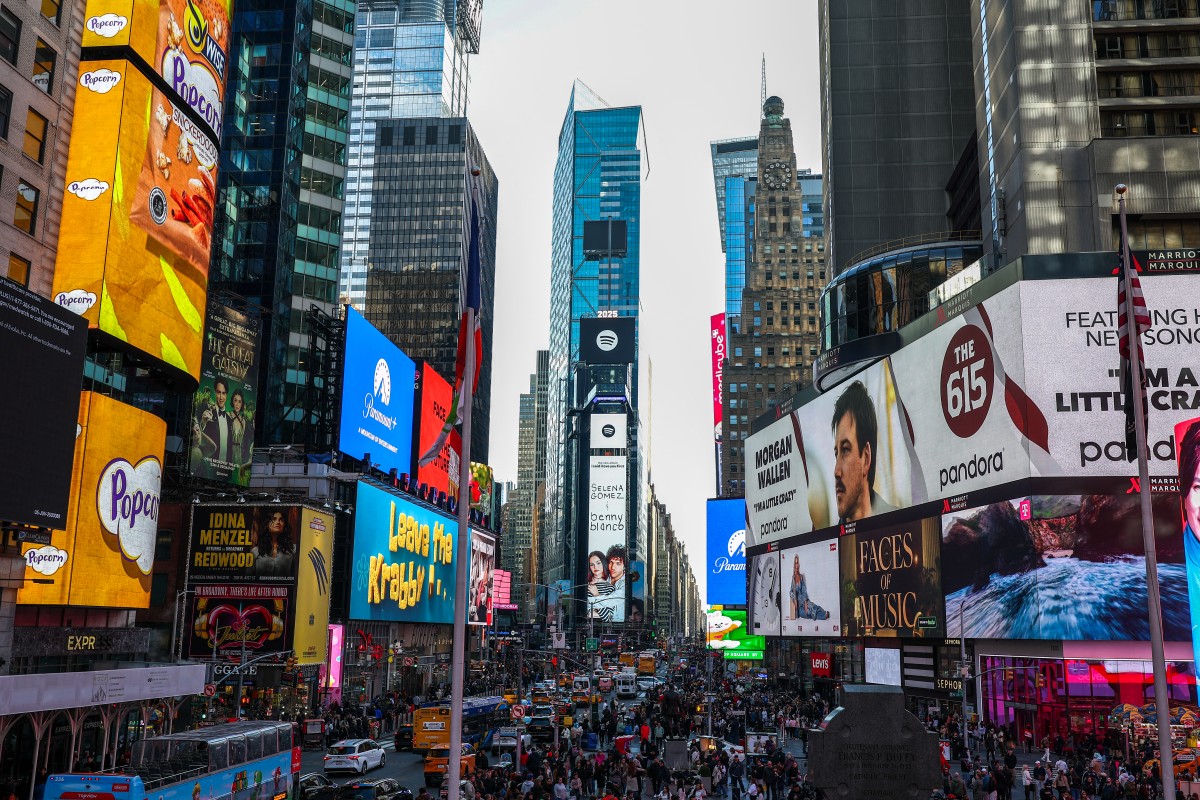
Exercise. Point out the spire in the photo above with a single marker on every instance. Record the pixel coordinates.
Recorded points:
(762, 99)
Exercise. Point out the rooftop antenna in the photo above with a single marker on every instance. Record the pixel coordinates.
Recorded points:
(762, 100)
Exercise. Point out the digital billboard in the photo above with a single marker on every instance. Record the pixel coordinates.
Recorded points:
(892, 581)
(403, 560)
(310, 612)
(502, 591)
(608, 340)
(483, 563)
(607, 557)
(224, 618)
(841, 458)
(432, 407)
(377, 397)
(225, 406)
(137, 215)
(244, 544)
(728, 631)
(1062, 567)
(1187, 435)
(636, 614)
(333, 673)
(482, 488)
(609, 432)
(104, 555)
(882, 665)
(811, 589)
(717, 331)
(726, 555)
(763, 593)
(39, 338)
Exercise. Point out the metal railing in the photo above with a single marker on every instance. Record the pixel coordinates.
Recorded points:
(913, 241)
(1131, 52)
(1117, 91)
(1117, 11)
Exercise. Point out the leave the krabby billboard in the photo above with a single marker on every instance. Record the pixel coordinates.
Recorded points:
(107, 548)
(403, 560)
(124, 276)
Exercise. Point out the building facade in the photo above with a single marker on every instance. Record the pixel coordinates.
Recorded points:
(897, 112)
(521, 553)
(598, 176)
(410, 60)
(418, 239)
(278, 219)
(771, 352)
(39, 66)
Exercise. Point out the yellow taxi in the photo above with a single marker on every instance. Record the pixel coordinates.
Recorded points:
(510, 696)
(438, 761)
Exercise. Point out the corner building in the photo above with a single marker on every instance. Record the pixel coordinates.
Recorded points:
(775, 339)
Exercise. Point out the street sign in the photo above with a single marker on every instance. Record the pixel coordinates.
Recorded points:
(560, 640)
(210, 689)
(408, 661)
(592, 645)
(518, 712)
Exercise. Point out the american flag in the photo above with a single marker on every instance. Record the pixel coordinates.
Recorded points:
(1131, 311)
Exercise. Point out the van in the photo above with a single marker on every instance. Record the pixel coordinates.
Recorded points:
(627, 685)
(581, 684)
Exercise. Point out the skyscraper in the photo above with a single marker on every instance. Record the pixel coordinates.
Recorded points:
(420, 222)
(278, 217)
(410, 60)
(735, 164)
(521, 553)
(598, 176)
(772, 349)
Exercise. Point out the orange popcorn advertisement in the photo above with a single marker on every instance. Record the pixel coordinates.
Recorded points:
(133, 256)
(105, 555)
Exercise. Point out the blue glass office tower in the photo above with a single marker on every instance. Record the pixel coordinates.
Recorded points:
(601, 159)
(283, 160)
(410, 60)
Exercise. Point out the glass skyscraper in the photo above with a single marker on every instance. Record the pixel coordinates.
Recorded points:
(278, 219)
(598, 175)
(731, 158)
(410, 60)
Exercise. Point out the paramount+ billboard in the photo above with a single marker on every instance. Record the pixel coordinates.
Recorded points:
(1021, 385)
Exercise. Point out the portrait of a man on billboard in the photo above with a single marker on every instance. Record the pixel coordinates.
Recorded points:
(855, 445)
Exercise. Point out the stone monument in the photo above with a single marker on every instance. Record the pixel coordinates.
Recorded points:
(872, 748)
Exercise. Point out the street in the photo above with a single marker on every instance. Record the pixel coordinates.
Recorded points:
(406, 767)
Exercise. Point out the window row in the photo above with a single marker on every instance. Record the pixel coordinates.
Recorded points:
(44, 56)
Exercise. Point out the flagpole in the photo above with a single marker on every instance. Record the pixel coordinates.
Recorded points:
(463, 555)
(1161, 698)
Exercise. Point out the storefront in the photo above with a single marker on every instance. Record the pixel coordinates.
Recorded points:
(931, 677)
(1078, 699)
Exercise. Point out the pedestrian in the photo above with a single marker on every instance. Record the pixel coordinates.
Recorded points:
(1028, 782)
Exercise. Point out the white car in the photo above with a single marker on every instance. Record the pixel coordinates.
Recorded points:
(355, 755)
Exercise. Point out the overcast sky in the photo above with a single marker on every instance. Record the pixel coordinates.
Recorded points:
(694, 67)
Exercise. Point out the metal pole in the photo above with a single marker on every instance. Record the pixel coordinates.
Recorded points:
(457, 663)
(241, 672)
(1154, 604)
(962, 654)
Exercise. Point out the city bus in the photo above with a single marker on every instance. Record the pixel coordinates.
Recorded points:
(481, 716)
(238, 760)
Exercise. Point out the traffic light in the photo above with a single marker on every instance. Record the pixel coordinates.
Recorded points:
(1008, 674)
(1040, 681)
(554, 661)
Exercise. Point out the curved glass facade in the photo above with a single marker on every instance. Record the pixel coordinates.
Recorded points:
(886, 292)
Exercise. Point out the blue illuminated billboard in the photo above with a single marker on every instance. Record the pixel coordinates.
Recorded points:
(403, 559)
(377, 397)
(726, 556)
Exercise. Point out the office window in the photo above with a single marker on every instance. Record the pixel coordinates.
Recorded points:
(5, 111)
(159, 582)
(44, 59)
(162, 545)
(18, 269)
(52, 10)
(25, 213)
(410, 136)
(431, 134)
(10, 35)
(35, 135)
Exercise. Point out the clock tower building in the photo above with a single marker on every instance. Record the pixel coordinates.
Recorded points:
(771, 353)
